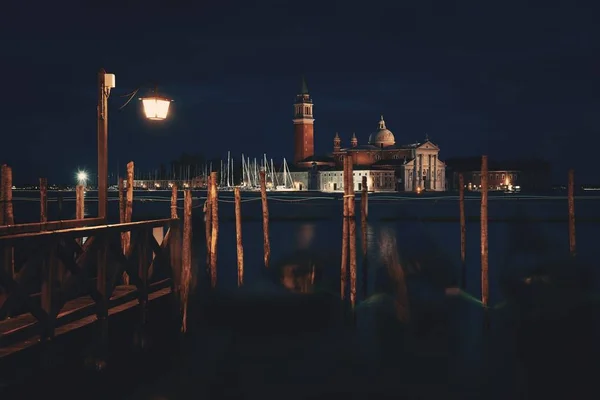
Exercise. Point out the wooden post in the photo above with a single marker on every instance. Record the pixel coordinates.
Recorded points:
(121, 200)
(363, 231)
(214, 204)
(186, 256)
(571, 200)
(2, 194)
(122, 219)
(128, 213)
(484, 232)
(143, 239)
(7, 216)
(175, 254)
(174, 201)
(265, 215)
(47, 293)
(101, 281)
(79, 202)
(463, 231)
(344, 265)
(352, 233)
(43, 200)
(238, 235)
(128, 204)
(79, 206)
(208, 220)
(102, 303)
(122, 214)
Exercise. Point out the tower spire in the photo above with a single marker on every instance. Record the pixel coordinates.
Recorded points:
(303, 125)
(353, 140)
(304, 86)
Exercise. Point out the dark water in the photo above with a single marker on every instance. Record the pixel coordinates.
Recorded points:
(542, 338)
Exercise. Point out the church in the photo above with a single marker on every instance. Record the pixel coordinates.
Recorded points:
(416, 166)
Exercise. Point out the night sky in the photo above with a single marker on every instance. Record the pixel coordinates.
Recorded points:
(504, 79)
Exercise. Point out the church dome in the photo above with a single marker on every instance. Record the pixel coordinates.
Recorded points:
(383, 137)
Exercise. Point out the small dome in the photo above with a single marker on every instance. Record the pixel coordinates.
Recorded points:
(383, 137)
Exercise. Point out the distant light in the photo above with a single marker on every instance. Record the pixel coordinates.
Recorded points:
(156, 108)
(82, 177)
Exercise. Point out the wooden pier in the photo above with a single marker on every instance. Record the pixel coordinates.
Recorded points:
(59, 285)
(58, 276)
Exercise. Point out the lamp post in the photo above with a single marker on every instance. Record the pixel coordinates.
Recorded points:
(105, 83)
(155, 107)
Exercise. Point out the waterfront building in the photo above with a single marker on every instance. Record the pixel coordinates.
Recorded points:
(164, 184)
(510, 175)
(415, 166)
(377, 180)
(331, 179)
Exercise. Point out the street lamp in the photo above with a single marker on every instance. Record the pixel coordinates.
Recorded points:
(155, 108)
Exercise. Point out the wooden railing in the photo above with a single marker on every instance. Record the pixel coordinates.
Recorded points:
(51, 278)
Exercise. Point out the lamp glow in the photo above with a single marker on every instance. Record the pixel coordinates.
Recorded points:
(156, 108)
(82, 177)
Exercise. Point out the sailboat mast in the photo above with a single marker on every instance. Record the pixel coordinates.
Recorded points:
(228, 159)
(232, 176)
(266, 166)
(243, 172)
(256, 172)
(252, 173)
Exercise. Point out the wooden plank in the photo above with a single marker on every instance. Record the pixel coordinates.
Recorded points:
(80, 307)
(61, 330)
(52, 225)
(84, 231)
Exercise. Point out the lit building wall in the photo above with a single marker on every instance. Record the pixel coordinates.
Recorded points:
(154, 184)
(497, 179)
(377, 180)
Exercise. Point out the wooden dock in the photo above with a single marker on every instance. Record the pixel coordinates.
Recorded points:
(20, 333)
(52, 284)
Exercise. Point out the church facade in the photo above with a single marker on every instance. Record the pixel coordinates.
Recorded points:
(416, 166)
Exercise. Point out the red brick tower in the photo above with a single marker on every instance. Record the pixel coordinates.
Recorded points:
(304, 133)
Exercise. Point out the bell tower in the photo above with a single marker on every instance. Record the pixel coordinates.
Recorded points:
(304, 134)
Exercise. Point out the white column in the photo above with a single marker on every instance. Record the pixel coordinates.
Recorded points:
(435, 172)
(429, 171)
(420, 171)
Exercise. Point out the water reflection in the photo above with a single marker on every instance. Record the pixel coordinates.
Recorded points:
(305, 235)
(395, 272)
(371, 239)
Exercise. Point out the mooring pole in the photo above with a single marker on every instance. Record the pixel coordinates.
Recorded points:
(103, 92)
